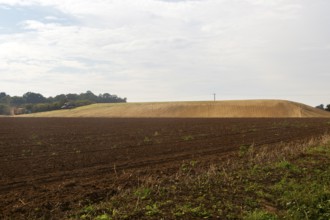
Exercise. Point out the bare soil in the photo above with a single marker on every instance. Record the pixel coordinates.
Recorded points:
(50, 166)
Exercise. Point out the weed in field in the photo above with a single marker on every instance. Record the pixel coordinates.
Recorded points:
(268, 187)
(142, 193)
(187, 138)
(284, 164)
(147, 140)
(319, 150)
(304, 201)
(76, 151)
(260, 215)
(88, 209)
(152, 210)
(187, 167)
(103, 217)
(244, 150)
(193, 163)
(84, 216)
(189, 210)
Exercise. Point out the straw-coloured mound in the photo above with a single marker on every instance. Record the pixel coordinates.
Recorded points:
(219, 109)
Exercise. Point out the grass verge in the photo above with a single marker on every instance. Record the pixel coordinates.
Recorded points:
(282, 182)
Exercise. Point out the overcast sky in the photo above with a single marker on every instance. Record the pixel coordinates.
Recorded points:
(167, 50)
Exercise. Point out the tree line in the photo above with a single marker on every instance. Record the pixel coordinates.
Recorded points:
(32, 102)
(323, 107)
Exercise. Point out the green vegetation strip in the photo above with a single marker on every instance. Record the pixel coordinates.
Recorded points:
(246, 187)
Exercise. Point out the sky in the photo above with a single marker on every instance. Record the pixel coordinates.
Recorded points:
(167, 50)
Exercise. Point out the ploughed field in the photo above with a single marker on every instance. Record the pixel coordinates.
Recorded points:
(56, 164)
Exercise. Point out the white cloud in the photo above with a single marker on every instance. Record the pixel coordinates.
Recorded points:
(152, 49)
(52, 18)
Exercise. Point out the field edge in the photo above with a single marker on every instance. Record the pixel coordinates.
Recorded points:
(190, 109)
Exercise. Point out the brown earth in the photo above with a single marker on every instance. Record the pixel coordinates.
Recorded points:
(50, 166)
(218, 109)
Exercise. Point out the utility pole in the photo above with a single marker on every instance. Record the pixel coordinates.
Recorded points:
(214, 95)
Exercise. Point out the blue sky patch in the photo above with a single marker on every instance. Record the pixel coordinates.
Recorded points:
(11, 18)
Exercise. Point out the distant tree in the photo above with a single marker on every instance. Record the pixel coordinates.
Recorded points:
(61, 99)
(107, 98)
(320, 107)
(2, 94)
(72, 97)
(88, 96)
(35, 102)
(34, 98)
(50, 99)
(104, 97)
(4, 109)
(29, 107)
(17, 101)
(4, 98)
(328, 108)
